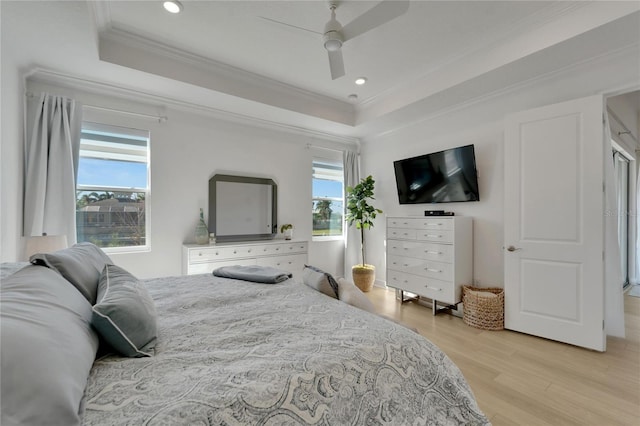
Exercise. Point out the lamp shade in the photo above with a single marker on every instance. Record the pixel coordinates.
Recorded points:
(44, 244)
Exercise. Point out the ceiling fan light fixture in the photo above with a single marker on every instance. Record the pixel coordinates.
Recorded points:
(332, 41)
(172, 6)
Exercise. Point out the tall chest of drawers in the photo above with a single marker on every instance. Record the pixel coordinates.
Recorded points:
(431, 256)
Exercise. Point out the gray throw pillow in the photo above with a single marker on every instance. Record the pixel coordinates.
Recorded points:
(320, 281)
(48, 348)
(80, 264)
(125, 315)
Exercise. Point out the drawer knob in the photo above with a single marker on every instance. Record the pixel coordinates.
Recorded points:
(277, 248)
(199, 253)
(249, 251)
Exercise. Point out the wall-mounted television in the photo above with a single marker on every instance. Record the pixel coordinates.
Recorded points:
(447, 176)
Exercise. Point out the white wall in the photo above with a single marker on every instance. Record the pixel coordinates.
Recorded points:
(378, 157)
(480, 122)
(186, 151)
(11, 157)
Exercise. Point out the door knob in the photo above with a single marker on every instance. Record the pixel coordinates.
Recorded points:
(512, 248)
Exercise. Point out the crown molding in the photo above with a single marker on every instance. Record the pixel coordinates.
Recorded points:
(136, 52)
(560, 21)
(101, 13)
(154, 101)
(602, 62)
(490, 41)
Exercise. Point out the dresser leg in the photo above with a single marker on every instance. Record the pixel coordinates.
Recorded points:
(436, 310)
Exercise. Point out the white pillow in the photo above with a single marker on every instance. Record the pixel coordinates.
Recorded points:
(352, 295)
(319, 280)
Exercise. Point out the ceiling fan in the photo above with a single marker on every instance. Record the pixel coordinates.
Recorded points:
(335, 35)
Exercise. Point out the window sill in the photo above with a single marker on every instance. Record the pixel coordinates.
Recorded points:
(328, 238)
(126, 250)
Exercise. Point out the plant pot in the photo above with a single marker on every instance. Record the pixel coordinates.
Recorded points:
(363, 276)
(288, 234)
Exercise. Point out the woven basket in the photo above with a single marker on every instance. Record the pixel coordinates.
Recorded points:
(482, 311)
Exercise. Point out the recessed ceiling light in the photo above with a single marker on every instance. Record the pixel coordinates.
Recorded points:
(361, 80)
(172, 6)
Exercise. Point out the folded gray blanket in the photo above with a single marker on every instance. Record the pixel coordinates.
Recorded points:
(257, 274)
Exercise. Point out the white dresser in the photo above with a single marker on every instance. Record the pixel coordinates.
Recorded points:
(430, 256)
(289, 256)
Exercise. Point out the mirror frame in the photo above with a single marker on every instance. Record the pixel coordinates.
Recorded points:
(242, 179)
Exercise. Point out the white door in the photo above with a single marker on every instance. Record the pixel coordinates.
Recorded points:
(554, 222)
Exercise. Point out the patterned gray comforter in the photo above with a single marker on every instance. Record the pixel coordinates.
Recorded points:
(237, 353)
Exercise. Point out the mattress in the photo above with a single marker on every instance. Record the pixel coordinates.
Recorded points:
(233, 352)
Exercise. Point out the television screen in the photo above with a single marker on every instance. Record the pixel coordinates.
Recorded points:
(441, 177)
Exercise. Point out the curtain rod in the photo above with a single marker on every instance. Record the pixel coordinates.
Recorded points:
(309, 146)
(159, 118)
(619, 121)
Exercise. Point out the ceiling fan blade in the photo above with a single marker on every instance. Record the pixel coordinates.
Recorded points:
(381, 13)
(289, 25)
(336, 64)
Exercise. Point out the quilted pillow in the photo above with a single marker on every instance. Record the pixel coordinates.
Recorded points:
(320, 281)
(80, 264)
(48, 348)
(125, 315)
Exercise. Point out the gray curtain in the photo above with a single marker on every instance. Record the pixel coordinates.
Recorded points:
(352, 237)
(52, 148)
(613, 291)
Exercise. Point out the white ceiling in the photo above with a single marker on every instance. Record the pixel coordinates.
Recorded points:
(234, 33)
(224, 56)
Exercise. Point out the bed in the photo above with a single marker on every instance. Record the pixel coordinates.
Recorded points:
(233, 352)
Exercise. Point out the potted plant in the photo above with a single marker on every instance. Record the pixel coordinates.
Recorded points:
(360, 212)
(287, 230)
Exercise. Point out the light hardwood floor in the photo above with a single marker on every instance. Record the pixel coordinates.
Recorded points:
(519, 379)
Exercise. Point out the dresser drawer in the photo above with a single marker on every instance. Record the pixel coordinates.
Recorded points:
(291, 263)
(421, 223)
(299, 247)
(436, 235)
(441, 223)
(402, 233)
(428, 287)
(396, 222)
(213, 253)
(422, 267)
(421, 250)
(207, 268)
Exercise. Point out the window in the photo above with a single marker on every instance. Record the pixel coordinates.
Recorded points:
(112, 192)
(328, 196)
(621, 169)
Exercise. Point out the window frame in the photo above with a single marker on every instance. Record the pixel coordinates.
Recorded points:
(134, 133)
(335, 162)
